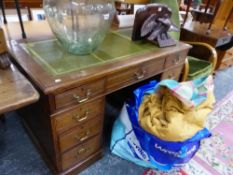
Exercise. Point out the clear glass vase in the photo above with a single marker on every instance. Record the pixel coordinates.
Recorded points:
(79, 25)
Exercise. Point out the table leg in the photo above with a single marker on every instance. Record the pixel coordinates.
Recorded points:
(187, 11)
(29, 13)
(221, 54)
(3, 11)
(228, 19)
(215, 13)
(20, 18)
(207, 6)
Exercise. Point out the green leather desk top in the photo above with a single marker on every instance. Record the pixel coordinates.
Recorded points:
(117, 45)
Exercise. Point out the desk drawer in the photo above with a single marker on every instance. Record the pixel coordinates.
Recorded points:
(153, 67)
(122, 78)
(175, 59)
(80, 153)
(80, 134)
(79, 115)
(128, 76)
(173, 73)
(80, 94)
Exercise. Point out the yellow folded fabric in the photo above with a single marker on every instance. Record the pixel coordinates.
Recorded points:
(169, 119)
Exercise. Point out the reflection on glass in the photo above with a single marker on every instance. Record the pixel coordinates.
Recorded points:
(79, 25)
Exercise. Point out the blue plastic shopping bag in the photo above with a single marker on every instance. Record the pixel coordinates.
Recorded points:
(133, 143)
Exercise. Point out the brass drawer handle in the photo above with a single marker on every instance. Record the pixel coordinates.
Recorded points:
(86, 135)
(82, 151)
(77, 97)
(177, 60)
(79, 118)
(139, 75)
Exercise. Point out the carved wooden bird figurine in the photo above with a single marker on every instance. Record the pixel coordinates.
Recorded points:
(155, 28)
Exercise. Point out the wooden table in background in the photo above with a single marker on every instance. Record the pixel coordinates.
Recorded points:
(15, 90)
(217, 38)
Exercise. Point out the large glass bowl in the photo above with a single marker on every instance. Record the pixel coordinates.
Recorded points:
(79, 25)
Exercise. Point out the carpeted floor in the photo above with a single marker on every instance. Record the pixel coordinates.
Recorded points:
(18, 155)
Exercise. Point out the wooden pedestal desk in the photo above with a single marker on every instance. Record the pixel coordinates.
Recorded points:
(67, 122)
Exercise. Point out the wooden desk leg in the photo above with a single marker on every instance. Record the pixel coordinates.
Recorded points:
(20, 18)
(3, 11)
